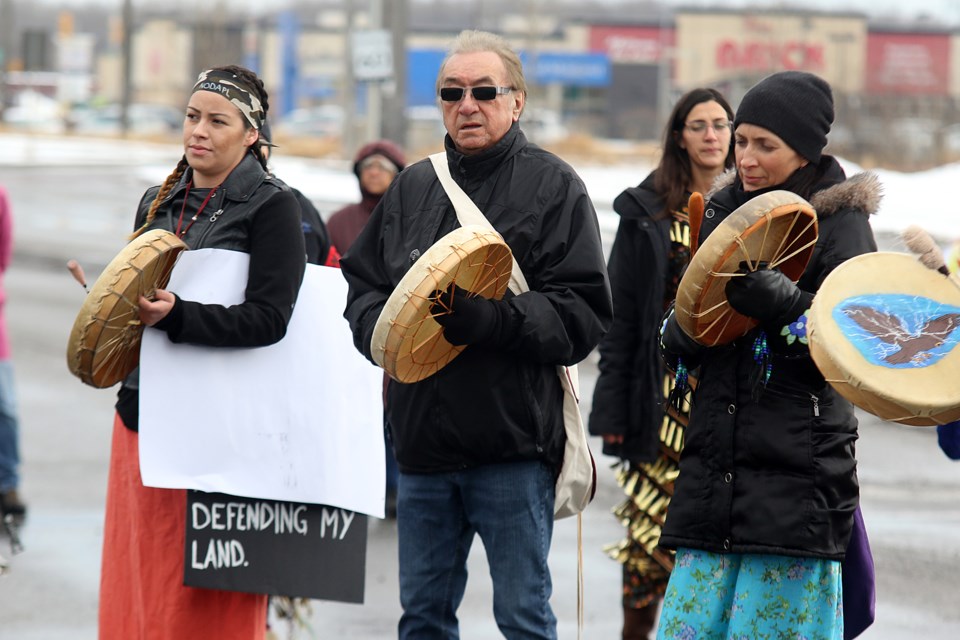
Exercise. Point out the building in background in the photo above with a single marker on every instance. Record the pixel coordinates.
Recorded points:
(602, 73)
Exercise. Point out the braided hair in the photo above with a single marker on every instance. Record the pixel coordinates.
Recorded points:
(252, 81)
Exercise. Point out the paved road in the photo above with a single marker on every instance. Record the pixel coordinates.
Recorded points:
(910, 491)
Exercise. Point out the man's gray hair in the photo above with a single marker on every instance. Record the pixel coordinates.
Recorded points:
(473, 41)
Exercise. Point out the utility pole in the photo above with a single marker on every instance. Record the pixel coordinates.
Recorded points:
(348, 138)
(394, 118)
(6, 49)
(126, 89)
(374, 86)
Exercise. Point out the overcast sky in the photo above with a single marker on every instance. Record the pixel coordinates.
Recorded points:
(946, 11)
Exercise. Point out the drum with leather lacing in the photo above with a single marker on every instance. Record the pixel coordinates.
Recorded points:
(407, 341)
(104, 344)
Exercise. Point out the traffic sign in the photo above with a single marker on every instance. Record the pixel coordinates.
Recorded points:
(372, 54)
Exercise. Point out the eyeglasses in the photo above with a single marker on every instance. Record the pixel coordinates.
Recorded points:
(379, 162)
(455, 94)
(700, 126)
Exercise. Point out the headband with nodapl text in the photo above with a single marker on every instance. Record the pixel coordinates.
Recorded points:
(232, 87)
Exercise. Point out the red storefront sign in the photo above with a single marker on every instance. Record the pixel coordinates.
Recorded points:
(911, 63)
(752, 55)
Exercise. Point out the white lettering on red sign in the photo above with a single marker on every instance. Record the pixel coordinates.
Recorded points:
(763, 56)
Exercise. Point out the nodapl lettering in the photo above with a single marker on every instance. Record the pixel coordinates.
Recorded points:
(214, 86)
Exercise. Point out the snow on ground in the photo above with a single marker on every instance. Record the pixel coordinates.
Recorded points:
(909, 198)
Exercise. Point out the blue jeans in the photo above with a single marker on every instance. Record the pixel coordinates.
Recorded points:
(9, 438)
(511, 507)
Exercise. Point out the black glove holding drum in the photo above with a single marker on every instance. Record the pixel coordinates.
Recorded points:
(767, 295)
(471, 319)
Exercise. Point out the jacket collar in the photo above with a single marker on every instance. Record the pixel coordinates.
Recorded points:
(862, 191)
(476, 167)
(239, 185)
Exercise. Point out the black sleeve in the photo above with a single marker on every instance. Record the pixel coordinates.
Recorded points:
(277, 265)
(362, 266)
(843, 235)
(315, 237)
(619, 348)
(569, 305)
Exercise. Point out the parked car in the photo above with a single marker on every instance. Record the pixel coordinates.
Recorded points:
(543, 125)
(144, 119)
(33, 111)
(326, 121)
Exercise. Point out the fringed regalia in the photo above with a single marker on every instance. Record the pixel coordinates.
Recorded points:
(649, 486)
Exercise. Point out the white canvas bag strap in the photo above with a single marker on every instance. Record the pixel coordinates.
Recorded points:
(469, 213)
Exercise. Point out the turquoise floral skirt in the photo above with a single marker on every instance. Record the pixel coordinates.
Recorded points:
(715, 596)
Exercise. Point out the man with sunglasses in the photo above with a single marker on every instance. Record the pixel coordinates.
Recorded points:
(479, 443)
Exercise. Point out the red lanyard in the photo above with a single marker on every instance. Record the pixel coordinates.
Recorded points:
(197, 214)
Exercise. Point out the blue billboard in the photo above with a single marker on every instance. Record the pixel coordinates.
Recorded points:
(570, 69)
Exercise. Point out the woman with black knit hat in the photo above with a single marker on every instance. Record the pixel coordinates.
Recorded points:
(221, 196)
(764, 505)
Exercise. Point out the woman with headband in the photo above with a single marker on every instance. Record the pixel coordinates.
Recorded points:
(218, 196)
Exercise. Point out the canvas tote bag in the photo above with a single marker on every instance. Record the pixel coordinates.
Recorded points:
(577, 482)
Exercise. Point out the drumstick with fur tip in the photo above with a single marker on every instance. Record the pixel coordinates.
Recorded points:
(77, 271)
(921, 243)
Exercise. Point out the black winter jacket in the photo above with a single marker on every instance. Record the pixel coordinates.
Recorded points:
(775, 475)
(252, 213)
(628, 396)
(489, 405)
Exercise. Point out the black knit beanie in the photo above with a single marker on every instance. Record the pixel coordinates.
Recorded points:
(795, 105)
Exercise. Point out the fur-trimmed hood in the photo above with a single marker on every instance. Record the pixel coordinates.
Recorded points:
(862, 191)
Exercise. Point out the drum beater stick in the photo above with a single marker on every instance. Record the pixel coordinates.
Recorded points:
(921, 243)
(77, 271)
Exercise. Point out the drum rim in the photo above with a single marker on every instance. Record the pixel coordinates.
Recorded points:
(88, 328)
(438, 259)
(744, 222)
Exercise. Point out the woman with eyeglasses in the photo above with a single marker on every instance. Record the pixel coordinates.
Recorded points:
(765, 504)
(649, 254)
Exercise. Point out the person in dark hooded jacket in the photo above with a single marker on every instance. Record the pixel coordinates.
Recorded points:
(480, 442)
(376, 164)
(764, 505)
(649, 254)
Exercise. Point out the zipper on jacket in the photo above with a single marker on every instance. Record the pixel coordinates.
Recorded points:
(816, 405)
(213, 218)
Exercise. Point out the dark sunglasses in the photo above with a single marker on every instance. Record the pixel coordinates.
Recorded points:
(455, 94)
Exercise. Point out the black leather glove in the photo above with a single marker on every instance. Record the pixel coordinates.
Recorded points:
(764, 294)
(675, 342)
(471, 319)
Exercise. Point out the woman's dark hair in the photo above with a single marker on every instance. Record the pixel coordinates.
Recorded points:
(253, 82)
(673, 175)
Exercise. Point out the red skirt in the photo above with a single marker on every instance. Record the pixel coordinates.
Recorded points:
(142, 596)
